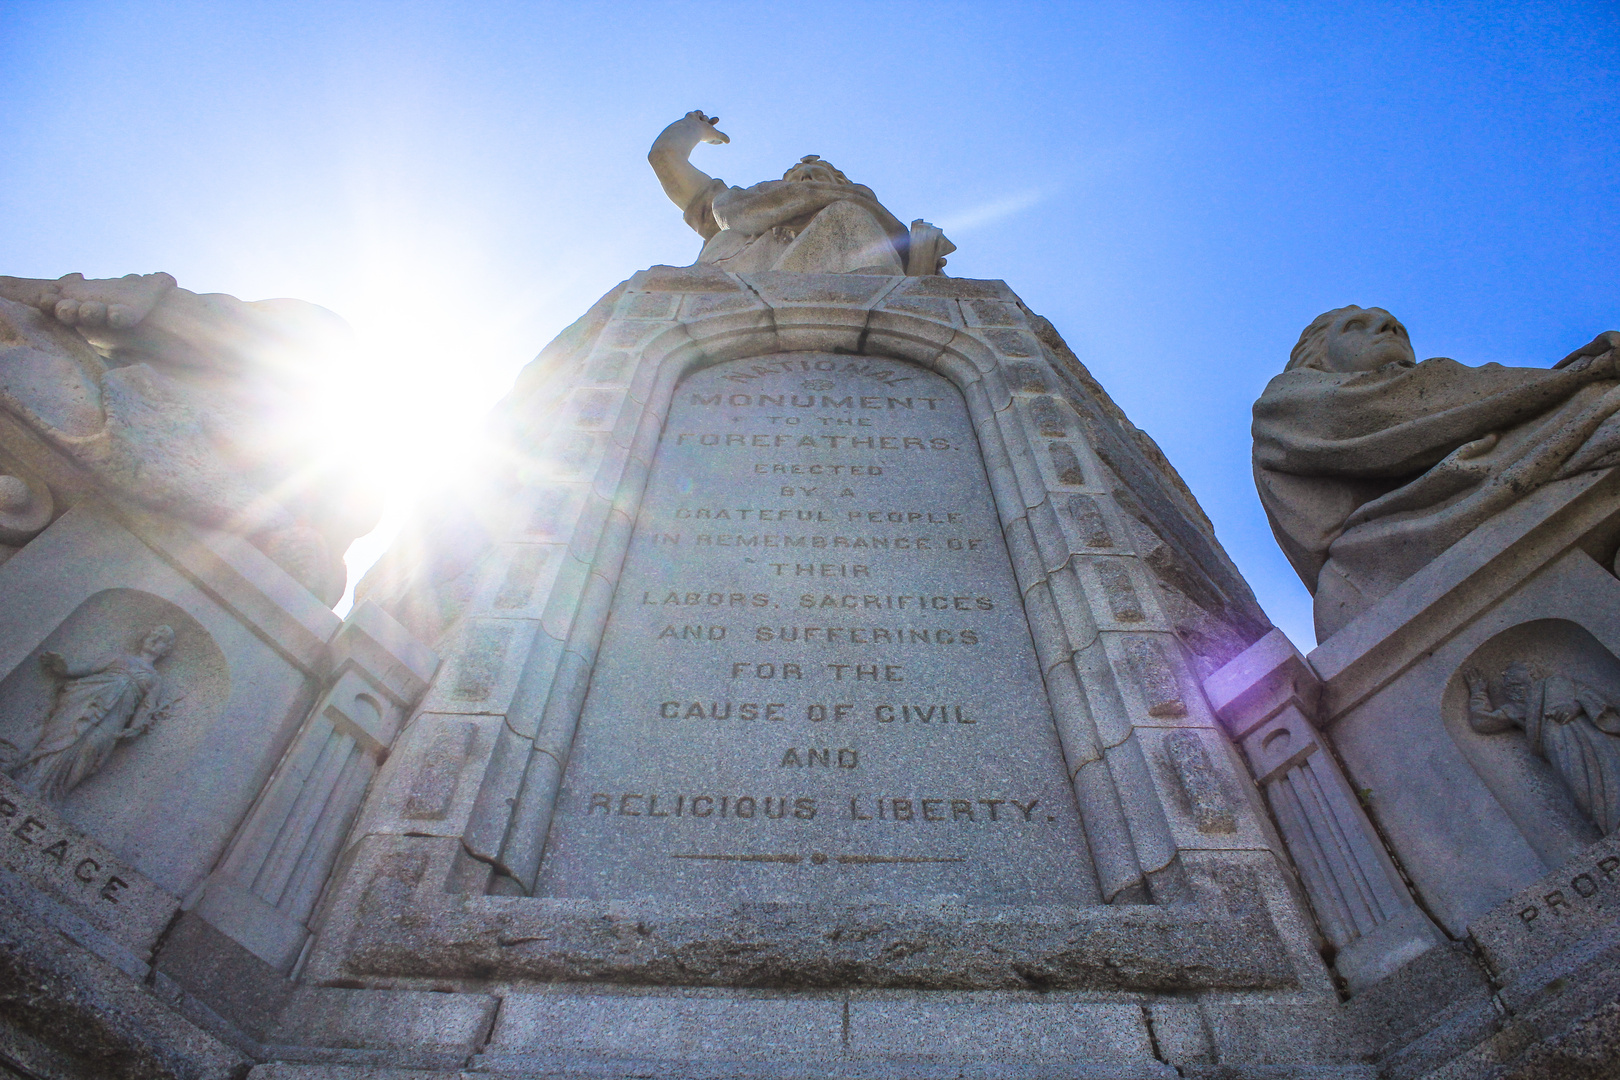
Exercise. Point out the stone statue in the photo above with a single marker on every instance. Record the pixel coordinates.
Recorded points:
(1371, 464)
(115, 699)
(813, 220)
(1568, 724)
(194, 405)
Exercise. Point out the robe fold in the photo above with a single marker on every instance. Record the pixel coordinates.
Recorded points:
(1367, 476)
(777, 225)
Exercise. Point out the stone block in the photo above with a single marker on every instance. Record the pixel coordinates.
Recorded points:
(672, 1028)
(68, 1013)
(433, 776)
(1447, 981)
(685, 279)
(1261, 680)
(958, 288)
(395, 1026)
(1179, 1036)
(1014, 1035)
(998, 313)
(1562, 909)
(647, 305)
(483, 662)
(393, 660)
(1278, 1034)
(935, 308)
(49, 855)
(697, 307)
(836, 291)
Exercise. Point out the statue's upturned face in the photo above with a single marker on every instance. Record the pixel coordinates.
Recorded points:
(158, 642)
(812, 170)
(1365, 339)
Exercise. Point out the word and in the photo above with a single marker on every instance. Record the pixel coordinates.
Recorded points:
(846, 759)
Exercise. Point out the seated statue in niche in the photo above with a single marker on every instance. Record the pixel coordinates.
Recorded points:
(111, 701)
(1370, 464)
(1568, 724)
(812, 221)
(193, 405)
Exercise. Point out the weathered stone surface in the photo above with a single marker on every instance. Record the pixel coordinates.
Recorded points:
(817, 681)
(1354, 409)
(66, 1013)
(60, 861)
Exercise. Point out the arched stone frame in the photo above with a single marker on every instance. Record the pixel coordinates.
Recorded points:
(1528, 788)
(1113, 672)
(143, 777)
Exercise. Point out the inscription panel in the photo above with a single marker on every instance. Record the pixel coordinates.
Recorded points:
(817, 679)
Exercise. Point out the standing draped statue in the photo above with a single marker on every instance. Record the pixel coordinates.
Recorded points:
(115, 699)
(812, 221)
(1568, 724)
(1370, 464)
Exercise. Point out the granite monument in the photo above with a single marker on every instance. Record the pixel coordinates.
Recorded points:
(834, 683)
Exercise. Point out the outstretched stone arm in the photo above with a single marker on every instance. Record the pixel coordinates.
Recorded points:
(1481, 717)
(682, 180)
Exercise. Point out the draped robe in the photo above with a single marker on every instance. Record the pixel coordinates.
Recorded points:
(806, 226)
(1367, 476)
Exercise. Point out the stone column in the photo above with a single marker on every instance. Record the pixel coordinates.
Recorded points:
(265, 890)
(1266, 697)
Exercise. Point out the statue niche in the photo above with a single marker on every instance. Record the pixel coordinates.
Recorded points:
(1370, 464)
(1536, 712)
(109, 701)
(812, 221)
(111, 705)
(1566, 723)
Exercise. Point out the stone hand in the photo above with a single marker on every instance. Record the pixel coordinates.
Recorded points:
(1601, 356)
(1475, 681)
(701, 128)
(96, 303)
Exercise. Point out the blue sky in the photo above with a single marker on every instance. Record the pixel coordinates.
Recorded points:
(1180, 188)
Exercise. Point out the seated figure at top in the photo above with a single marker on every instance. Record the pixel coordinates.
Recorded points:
(1370, 464)
(813, 220)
